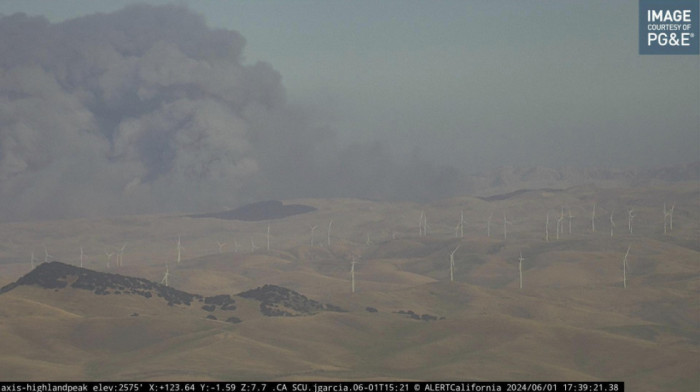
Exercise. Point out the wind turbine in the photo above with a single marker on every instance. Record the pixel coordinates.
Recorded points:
(593, 218)
(571, 218)
(488, 226)
(328, 236)
(612, 223)
(452, 263)
(32, 260)
(109, 257)
(221, 246)
(560, 225)
(546, 228)
(505, 226)
(630, 216)
(352, 273)
(179, 250)
(421, 230)
(520, 268)
(670, 221)
(624, 267)
(81, 257)
(120, 256)
(165, 277)
(47, 256)
(313, 228)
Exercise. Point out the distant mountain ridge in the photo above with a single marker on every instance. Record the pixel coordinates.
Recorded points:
(509, 178)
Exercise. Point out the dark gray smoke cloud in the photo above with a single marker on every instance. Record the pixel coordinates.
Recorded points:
(149, 110)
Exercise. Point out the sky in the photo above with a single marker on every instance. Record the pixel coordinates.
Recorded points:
(472, 85)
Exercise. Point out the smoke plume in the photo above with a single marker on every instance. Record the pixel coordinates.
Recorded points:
(148, 109)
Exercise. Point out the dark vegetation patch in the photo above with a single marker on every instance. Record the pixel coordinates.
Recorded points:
(413, 315)
(279, 301)
(211, 317)
(233, 320)
(263, 210)
(371, 309)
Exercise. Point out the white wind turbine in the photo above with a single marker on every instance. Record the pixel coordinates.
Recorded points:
(120, 256)
(571, 218)
(452, 263)
(180, 248)
(32, 260)
(328, 236)
(352, 273)
(421, 230)
(560, 225)
(313, 228)
(593, 218)
(520, 268)
(612, 223)
(505, 226)
(624, 267)
(47, 256)
(488, 225)
(109, 257)
(670, 221)
(165, 277)
(630, 216)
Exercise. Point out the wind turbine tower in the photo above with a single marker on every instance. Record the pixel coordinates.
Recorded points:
(571, 218)
(520, 268)
(624, 268)
(109, 257)
(352, 274)
(560, 225)
(165, 277)
(81, 257)
(612, 223)
(32, 260)
(120, 256)
(179, 250)
(506, 222)
(330, 224)
(546, 228)
(452, 263)
(630, 216)
(593, 218)
(313, 228)
(488, 225)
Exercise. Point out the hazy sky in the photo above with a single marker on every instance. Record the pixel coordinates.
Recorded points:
(131, 106)
(470, 83)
